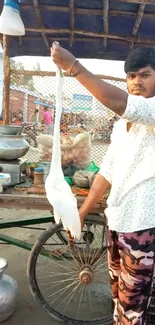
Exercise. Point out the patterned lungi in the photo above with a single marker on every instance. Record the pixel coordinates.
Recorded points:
(131, 258)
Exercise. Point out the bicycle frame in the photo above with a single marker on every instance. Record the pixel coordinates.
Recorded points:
(22, 224)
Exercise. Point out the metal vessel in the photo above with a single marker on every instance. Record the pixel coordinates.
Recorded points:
(10, 129)
(8, 292)
(13, 147)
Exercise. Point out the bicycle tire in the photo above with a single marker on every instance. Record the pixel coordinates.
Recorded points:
(34, 288)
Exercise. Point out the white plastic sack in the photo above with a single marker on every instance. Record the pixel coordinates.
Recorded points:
(58, 191)
(77, 150)
(82, 150)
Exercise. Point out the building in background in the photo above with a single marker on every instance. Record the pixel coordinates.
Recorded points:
(1, 84)
(25, 104)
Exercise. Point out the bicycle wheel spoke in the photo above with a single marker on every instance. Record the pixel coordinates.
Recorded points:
(71, 295)
(94, 254)
(61, 266)
(80, 299)
(89, 295)
(72, 252)
(55, 274)
(73, 279)
(101, 271)
(55, 285)
(98, 268)
(79, 254)
(64, 280)
(61, 291)
(88, 245)
(99, 260)
(63, 258)
(91, 250)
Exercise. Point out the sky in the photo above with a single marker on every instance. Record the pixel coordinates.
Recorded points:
(105, 67)
(46, 85)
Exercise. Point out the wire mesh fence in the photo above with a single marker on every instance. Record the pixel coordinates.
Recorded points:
(33, 93)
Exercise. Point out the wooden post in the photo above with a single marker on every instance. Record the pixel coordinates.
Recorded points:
(6, 81)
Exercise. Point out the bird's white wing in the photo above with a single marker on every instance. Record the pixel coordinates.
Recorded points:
(56, 216)
(60, 196)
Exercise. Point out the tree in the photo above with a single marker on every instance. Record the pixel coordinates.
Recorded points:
(23, 80)
(16, 79)
(37, 67)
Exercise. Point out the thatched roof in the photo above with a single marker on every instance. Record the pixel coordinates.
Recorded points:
(106, 29)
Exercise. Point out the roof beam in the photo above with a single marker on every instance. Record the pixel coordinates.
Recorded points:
(79, 10)
(40, 22)
(20, 40)
(146, 2)
(59, 38)
(138, 20)
(83, 11)
(71, 13)
(92, 34)
(105, 19)
(84, 39)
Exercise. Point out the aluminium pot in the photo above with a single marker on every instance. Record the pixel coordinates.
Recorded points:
(13, 147)
(8, 292)
(10, 129)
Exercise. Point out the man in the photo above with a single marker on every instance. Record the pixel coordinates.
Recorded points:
(129, 168)
(34, 115)
(48, 121)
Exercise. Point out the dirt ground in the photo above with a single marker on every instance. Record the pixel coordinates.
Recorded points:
(28, 312)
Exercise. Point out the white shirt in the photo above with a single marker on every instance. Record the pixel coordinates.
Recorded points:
(129, 166)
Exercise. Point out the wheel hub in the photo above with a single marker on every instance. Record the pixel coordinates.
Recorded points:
(85, 276)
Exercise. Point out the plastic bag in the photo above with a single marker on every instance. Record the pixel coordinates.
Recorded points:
(45, 140)
(92, 168)
(82, 150)
(77, 150)
(45, 143)
(69, 169)
(45, 153)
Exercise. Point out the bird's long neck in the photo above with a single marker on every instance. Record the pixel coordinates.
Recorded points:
(56, 156)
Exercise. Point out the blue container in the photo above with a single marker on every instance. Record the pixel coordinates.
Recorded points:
(39, 170)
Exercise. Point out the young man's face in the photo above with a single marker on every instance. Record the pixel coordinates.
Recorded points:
(142, 82)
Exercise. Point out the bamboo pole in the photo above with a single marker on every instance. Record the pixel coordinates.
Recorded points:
(140, 40)
(71, 14)
(86, 11)
(6, 80)
(53, 74)
(146, 2)
(138, 19)
(40, 21)
(105, 20)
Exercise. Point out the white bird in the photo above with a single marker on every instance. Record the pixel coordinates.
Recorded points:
(58, 191)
